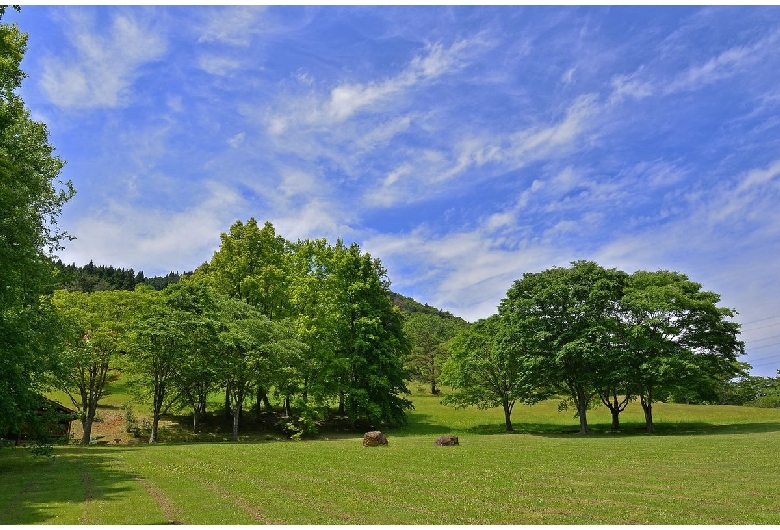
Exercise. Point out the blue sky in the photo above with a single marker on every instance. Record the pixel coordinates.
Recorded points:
(462, 146)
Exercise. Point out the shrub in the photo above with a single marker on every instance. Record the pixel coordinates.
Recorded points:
(767, 402)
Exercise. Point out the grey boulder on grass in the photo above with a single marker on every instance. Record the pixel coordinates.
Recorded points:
(374, 438)
(446, 440)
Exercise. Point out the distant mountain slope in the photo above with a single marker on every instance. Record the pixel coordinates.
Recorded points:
(410, 305)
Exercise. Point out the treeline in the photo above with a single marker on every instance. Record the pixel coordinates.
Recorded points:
(308, 323)
(751, 390)
(90, 278)
(597, 336)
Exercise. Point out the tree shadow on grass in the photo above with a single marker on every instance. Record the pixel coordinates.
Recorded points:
(419, 424)
(31, 485)
(628, 429)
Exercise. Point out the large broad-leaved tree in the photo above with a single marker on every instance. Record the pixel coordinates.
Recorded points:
(94, 328)
(486, 369)
(31, 199)
(370, 343)
(678, 337)
(567, 319)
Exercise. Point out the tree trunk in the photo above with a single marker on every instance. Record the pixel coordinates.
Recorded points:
(235, 423)
(196, 421)
(341, 411)
(508, 416)
(155, 422)
(237, 406)
(287, 409)
(434, 390)
(648, 408)
(157, 404)
(263, 402)
(582, 408)
(86, 424)
(615, 419)
(228, 412)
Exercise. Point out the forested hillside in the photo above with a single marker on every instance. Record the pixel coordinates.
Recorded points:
(90, 278)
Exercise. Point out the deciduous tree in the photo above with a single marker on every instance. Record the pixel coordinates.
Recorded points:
(94, 328)
(31, 199)
(678, 336)
(572, 316)
(371, 344)
(486, 369)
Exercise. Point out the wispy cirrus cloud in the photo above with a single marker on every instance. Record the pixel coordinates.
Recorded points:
(235, 25)
(661, 79)
(102, 63)
(727, 64)
(347, 99)
(219, 65)
(430, 170)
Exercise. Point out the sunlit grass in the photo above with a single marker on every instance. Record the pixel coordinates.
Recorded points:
(706, 465)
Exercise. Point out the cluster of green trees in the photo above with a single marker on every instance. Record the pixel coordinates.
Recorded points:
(309, 321)
(596, 335)
(90, 278)
(752, 390)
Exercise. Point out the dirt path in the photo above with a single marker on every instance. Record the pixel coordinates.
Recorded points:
(257, 514)
(172, 515)
(86, 481)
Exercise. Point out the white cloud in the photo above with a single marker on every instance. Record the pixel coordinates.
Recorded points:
(630, 86)
(540, 142)
(759, 176)
(237, 140)
(315, 219)
(104, 64)
(383, 133)
(466, 272)
(554, 140)
(219, 65)
(235, 25)
(297, 182)
(724, 65)
(347, 99)
(175, 103)
(153, 240)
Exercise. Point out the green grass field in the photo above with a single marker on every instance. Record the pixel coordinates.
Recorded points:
(706, 465)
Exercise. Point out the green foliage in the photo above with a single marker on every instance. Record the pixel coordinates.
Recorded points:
(750, 390)
(484, 372)
(31, 199)
(250, 266)
(94, 336)
(585, 331)
(41, 449)
(678, 340)
(429, 335)
(90, 278)
(564, 320)
(157, 351)
(338, 335)
(131, 421)
(371, 344)
(410, 306)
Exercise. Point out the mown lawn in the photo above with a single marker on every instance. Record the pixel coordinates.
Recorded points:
(706, 465)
